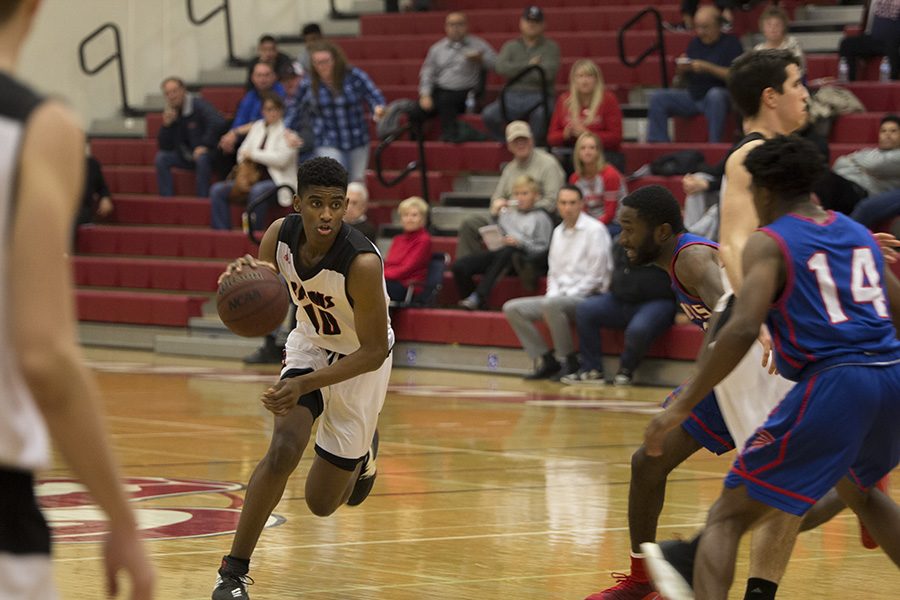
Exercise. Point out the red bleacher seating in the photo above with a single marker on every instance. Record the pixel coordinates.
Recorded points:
(148, 273)
(481, 328)
(138, 308)
(165, 244)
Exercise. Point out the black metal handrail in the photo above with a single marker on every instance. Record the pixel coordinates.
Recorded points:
(127, 110)
(658, 46)
(248, 221)
(414, 127)
(339, 15)
(226, 10)
(543, 102)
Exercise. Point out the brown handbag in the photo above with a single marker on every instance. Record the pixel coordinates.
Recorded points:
(244, 175)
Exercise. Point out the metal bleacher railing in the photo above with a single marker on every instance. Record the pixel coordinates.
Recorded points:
(415, 129)
(544, 102)
(226, 13)
(127, 110)
(658, 46)
(248, 218)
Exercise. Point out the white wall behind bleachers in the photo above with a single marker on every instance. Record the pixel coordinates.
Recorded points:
(157, 38)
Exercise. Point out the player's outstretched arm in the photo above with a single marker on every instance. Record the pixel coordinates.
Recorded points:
(738, 218)
(43, 328)
(365, 286)
(764, 277)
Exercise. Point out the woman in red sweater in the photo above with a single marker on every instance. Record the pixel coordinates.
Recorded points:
(601, 185)
(407, 260)
(587, 106)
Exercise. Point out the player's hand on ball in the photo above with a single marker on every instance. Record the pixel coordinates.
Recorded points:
(246, 260)
(283, 396)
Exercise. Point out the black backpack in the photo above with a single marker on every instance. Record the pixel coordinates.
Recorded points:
(677, 163)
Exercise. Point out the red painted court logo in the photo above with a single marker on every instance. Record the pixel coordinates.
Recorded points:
(209, 508)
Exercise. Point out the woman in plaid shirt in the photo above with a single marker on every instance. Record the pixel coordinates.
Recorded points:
(330, 104)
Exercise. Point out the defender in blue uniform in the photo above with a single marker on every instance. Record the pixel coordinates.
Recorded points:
(819, 280)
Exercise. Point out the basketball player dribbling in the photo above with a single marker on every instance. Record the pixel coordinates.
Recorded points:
(44, 386)
(818, 279)
(337, 363)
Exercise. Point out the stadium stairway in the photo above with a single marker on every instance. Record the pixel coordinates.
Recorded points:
(146, 278)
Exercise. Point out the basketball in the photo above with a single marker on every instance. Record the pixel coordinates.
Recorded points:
(252, 303)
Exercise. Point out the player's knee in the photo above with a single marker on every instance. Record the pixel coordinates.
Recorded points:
(284, 455)
(645, 466)
(319, 506)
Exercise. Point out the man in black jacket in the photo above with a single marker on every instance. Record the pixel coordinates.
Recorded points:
(190, 127)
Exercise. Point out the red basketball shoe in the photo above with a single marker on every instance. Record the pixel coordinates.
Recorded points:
(627, 588)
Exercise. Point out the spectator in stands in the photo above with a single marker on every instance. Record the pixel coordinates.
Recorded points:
(864, 173)
(774, 24)
(641, 302)
(452, 70)
(580, 265)
(525, 230)
(332, 99)
(880, 37)
(527, 160)
(407, 260)
(249, 111)
(267, 52)
(689, 9)
(190, 128)
(310, 34)
(704, 68)
(532, 48)
(265, 152)
(357, 205)
(587, 106)
(876, 171)
(601, 185)
(96, 203)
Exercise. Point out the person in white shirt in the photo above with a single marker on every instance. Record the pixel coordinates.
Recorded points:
(267, 147)
(580, 264)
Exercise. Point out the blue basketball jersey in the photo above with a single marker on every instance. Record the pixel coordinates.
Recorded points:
(833, 308)
(692, 306)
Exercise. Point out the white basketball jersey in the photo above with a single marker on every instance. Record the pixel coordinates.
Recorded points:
(324, 310)
(23, 434)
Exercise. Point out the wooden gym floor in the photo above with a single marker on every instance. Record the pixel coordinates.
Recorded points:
(489, 487)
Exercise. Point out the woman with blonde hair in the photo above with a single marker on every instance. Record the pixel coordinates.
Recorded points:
(587, 106)
(601, 184)
(407, 260)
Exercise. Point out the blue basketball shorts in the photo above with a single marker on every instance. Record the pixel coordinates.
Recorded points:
(843, 421)
(706, 424)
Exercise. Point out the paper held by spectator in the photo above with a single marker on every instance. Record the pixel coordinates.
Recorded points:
(492, 236)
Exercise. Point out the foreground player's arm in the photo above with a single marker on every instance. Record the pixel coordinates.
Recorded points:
(365, 286)
(764, 276)
(892, 287)
(738, 217)
(43, 329)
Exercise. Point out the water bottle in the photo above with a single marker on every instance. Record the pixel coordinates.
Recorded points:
(470, 102)
(884, 70)
(843, 70)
